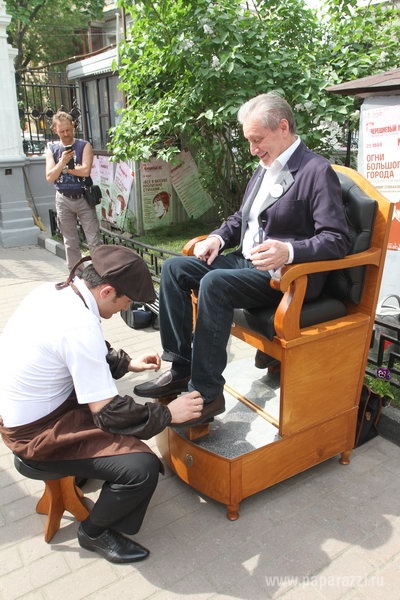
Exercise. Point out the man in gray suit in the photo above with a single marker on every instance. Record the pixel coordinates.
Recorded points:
(292, 212)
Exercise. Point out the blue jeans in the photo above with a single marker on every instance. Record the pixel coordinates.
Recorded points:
(230, 282)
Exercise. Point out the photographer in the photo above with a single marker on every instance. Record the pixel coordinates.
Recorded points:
(66, 162)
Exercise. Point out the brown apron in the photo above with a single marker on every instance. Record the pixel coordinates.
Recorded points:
(68, 433)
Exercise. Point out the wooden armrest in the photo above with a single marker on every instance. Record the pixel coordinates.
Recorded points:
(294, 271)
(188, 248)
(293, 284)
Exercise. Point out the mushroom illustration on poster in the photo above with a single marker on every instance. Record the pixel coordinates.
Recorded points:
(156, 192)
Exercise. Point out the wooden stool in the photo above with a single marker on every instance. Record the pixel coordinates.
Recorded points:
(60, 494)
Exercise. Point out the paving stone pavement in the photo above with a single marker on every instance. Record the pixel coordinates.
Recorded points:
(332, 532)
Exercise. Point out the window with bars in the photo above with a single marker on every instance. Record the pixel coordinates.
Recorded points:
(102, 101)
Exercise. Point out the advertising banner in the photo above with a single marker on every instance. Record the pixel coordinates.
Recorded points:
(379, 162)
(156, 193)
(115, 187)
(186, 182)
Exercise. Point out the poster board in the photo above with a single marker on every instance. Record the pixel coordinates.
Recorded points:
(156, 193)
(115, 181)
(186, 181)
(159, 179)
(378, 158)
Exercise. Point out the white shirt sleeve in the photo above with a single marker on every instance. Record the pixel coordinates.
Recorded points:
(84, 352)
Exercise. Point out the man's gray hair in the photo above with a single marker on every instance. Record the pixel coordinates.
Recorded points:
(269, 109)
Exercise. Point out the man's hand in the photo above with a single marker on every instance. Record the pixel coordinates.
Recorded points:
(66, 157)
(146, 362)
(208, 249)
(186, 407)
(270, 254)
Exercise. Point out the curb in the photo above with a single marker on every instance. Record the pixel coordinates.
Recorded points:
(389, 424)
(52, 246)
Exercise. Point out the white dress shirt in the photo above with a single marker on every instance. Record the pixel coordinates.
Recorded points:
(252, 234)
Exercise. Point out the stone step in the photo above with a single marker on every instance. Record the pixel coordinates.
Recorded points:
(22, 236)
(13, 224)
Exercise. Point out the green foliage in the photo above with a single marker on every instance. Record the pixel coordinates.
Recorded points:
(188, 65)
(45, 31)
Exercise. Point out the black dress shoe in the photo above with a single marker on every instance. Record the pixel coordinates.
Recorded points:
(210, 410)
(264, 361)
(164, 385)
(113, 546)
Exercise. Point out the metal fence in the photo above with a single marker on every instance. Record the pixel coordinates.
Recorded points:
(40, 95)
(152, 256)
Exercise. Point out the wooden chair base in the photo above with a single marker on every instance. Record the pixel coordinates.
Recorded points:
(230, 481)
(60, 495)
(244, 452)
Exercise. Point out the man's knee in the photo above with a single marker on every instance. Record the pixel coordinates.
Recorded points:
(176, 266)
(212, 281)
(137, 469)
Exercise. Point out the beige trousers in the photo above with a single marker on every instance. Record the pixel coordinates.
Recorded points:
(69, 210)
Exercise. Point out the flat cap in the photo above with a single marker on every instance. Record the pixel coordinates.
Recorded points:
(124, 269)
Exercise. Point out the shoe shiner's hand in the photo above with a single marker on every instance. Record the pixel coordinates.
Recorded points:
(186, 407)
(146, 362)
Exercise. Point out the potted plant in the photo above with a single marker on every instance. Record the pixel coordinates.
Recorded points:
(380, 385)
(376, 393)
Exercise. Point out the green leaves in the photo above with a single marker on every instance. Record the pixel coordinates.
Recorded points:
(44, 31)
(188, 65)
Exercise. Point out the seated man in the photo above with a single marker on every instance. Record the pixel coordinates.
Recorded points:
(292, 211)
(60, 405)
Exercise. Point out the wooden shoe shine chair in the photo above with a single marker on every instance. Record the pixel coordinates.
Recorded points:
(322, 347)
(60, 494)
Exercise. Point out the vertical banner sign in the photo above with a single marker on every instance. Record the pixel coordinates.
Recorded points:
(105, 170)
(115, 190)
(186, 182)
(156, 193)
(120, 192)
(380, 157)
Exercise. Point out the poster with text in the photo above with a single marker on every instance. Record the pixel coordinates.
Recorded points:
(104, 178)
(156, 193)
(119, 195)
(379, 159)
(185, 179)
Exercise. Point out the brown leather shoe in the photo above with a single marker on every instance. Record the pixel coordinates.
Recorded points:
(210, 410)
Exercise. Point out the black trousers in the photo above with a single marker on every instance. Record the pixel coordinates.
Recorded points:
(129, 483)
